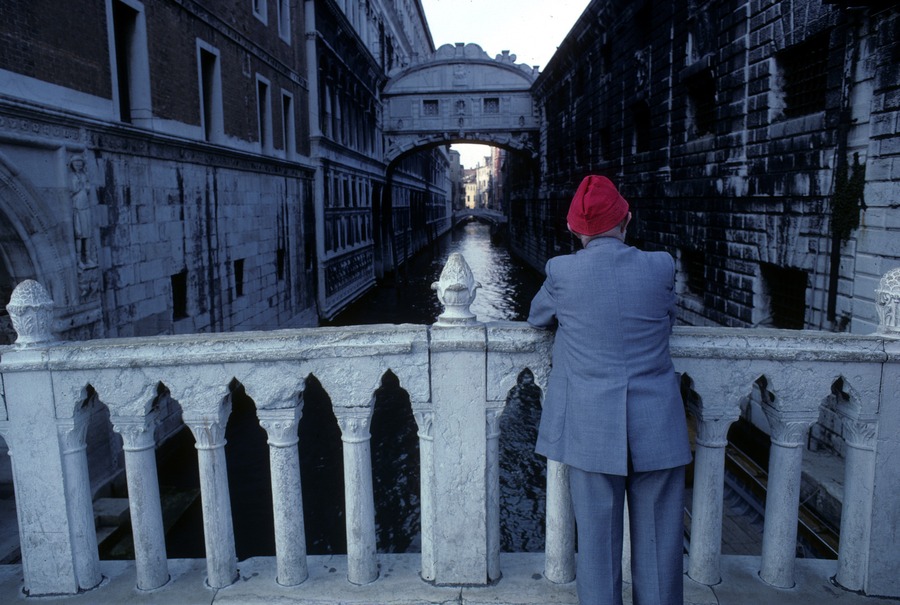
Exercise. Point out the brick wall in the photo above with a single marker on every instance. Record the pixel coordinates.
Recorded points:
(77, 57)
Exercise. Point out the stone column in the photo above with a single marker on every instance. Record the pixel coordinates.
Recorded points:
(72, 439)
(218, 530)
(856, 511)
(287, 497)
(493, 492)
(708, 496)
(362, 566)
(559, 564)
(425, 422)
(779, 547)
(143, 499)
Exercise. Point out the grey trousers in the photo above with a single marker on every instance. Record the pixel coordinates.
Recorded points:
(656, 513)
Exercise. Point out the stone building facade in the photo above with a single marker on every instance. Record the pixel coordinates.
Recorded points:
(173, 166)
(757, 141)
(374, 213)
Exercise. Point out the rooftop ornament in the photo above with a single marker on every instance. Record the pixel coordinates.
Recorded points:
(31, 310)
(887, 302)
(456, 291)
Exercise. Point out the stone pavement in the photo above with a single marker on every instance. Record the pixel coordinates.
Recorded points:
(399, 584)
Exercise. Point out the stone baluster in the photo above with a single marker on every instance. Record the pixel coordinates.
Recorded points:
(218, 529)
(362, 566)
(73, 445)
(425, 422)
(287, 496)
(856, 510)
(493, 492)
(559, 563)
(139, 445)
(708, 496)
(779, 547)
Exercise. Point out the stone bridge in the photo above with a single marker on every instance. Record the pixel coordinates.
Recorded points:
(457, 373)
(461, 95)
(494, 217)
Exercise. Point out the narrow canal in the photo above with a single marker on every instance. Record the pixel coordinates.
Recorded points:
(508, 286)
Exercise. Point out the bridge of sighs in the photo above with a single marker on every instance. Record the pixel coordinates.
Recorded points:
(461, 95)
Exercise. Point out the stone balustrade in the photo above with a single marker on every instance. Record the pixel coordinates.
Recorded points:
(458, 373)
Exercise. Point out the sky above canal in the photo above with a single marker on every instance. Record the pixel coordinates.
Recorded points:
(529, 29)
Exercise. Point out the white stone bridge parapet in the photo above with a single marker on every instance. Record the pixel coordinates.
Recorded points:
(458, 373)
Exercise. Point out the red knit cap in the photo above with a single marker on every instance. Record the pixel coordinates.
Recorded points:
(597, 206)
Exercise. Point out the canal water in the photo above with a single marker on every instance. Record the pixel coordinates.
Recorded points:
(508, 286)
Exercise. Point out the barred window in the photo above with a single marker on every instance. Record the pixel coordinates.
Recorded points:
(492, 105)
(804, 74)
(430, 108)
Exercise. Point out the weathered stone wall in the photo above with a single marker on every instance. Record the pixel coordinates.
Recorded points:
(732, 127)
(175, 237)
(235, 230)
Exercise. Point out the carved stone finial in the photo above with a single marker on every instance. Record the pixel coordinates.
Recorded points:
(456, 291)
(31, 310)
(887, 302)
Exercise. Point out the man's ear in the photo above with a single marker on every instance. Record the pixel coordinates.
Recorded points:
(625, 221)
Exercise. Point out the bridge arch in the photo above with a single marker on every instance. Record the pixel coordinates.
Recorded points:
(460, 95)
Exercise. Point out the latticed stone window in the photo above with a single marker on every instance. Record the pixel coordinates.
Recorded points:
(802, 76)
(430, 107)
(492, 105)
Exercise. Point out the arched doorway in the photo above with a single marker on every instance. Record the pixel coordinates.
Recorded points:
(15, 267)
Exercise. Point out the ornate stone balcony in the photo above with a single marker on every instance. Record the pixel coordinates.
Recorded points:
(458, 373)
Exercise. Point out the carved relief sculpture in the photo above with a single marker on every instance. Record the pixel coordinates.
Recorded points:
(80, 191)
(887, 302)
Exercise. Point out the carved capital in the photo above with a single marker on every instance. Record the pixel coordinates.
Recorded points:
(887, 303)
(789, 432)
(860, 434)
(31, 310)
(280, 426)
(137, 432)
(209, 430)
(425, 422)
(456, 291)
(72, 434)
(713, 432)
(492, 416)
(354, 423)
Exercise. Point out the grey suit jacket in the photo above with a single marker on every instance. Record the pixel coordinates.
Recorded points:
(612, 389)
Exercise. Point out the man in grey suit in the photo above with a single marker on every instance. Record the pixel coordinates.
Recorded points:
(613, 411)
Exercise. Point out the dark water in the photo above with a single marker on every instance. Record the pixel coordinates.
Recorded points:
(507, 288)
